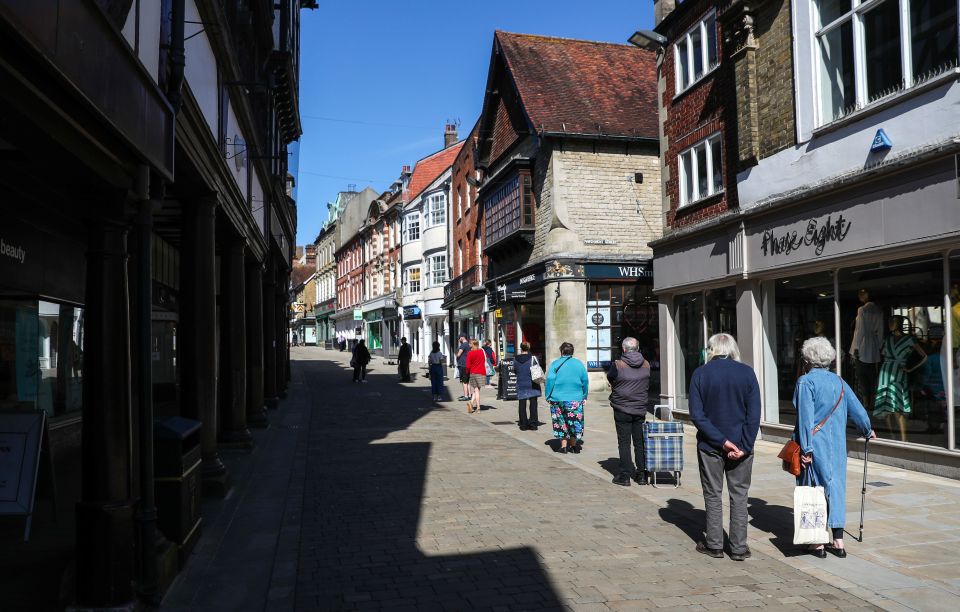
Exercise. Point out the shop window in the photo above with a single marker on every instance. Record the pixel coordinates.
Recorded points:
(721, 311)
(951, 345)
(795, 309)
(690, 353)
(615, 312)
(696, 53)
(41, 356)
(902, 43)
(892, 324)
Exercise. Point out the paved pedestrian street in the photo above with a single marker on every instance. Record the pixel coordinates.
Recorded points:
(370, 496)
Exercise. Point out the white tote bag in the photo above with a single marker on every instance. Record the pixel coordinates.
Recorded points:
(810, 512)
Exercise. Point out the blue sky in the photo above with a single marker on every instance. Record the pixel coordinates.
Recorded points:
(379, 79)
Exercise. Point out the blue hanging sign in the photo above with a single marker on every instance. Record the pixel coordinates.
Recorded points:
(881, 142)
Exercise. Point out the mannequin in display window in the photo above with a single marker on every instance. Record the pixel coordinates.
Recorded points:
(893, 388)
(865, 348)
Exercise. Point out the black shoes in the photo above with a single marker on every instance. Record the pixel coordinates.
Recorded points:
(716, 553)
(642, 477)
(575, 450)
(524, 427)
(740, 556)
(819, 553)
(622, 479)
(562, 450)
(840, 553)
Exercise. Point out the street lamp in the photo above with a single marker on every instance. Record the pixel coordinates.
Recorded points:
(648, 39)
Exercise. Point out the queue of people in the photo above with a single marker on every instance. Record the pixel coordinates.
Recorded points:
(724, 404)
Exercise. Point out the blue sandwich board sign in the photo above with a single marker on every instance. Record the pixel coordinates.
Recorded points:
(881, 142)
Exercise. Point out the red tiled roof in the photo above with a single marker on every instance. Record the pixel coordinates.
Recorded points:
(575, 86)
(429, 168)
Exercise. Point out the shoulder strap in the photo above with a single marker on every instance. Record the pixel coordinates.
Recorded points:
(827, 418)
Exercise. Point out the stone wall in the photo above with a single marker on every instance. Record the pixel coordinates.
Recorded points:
(588, 191)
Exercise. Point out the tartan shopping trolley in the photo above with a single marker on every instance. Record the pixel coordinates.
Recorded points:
(663, 446)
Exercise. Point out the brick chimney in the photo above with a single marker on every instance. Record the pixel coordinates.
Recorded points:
(449, 135)
(662, 8)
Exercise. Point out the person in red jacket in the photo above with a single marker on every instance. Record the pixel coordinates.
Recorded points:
(477, 369)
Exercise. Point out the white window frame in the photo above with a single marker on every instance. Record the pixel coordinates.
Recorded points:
(437, 269)
(408, 283)
(692, 79)
(696, 196)
(436, 209)
(855, 15)
(407, 223)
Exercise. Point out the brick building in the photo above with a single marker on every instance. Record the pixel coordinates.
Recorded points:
(793, 202)
(350, 257)
(464, 297)
(380, 235)
(567, 148)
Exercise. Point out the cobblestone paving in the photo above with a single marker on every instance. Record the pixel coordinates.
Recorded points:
(409, 505)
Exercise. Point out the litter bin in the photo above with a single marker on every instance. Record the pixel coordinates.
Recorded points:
(177, 481)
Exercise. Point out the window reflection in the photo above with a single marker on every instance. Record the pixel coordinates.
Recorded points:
(41, 356)
(690, 338)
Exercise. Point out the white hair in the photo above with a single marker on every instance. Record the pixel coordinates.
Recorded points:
(818, 352)
(723, 345)
(630, 344)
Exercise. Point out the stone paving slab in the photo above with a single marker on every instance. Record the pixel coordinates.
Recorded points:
(393, 502)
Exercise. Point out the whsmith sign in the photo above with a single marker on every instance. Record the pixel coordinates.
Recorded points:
(635, 270)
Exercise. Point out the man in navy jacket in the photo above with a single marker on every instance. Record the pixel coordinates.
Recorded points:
(725, 408)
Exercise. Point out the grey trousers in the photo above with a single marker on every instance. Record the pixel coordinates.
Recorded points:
(713, 467)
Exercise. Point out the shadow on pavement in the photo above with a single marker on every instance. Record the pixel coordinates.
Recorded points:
(363, 505)
(611, 464)
(778, 522)
(682, 514)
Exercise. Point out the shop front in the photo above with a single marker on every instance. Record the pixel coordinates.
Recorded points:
(326, 329)
(592, 304)
(875, 270)
(381, 324)
(411, 326)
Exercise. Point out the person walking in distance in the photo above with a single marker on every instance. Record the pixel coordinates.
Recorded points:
(403, 360)
(629, 379)
(527, 390)
(724, 404)
(476, 364)
(436, 361)
(491, 357)
(361, 357)
(461, 356)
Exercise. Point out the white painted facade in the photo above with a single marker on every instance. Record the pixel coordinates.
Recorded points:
(430, 254)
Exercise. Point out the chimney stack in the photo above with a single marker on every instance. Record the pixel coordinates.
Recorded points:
(449, 135)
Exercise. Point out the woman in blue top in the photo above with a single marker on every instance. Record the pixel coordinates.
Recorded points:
(818, 399)
(566, 389)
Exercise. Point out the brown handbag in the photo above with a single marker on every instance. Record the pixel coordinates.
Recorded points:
(790, 453)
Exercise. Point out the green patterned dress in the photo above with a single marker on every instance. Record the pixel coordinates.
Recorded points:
(892, 388)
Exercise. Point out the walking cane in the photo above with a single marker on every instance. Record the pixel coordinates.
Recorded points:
(863, 489)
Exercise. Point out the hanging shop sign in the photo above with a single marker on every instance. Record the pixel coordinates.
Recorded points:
(412, 312)
(642, 269)
(357, 314)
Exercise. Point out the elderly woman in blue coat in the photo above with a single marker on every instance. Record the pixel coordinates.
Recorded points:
(824, 404)
(566, 390)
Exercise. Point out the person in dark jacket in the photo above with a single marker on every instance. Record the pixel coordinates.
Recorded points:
(527, 390)
(629, 379)
(725, 408)
(361, 357)
(403, 359)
